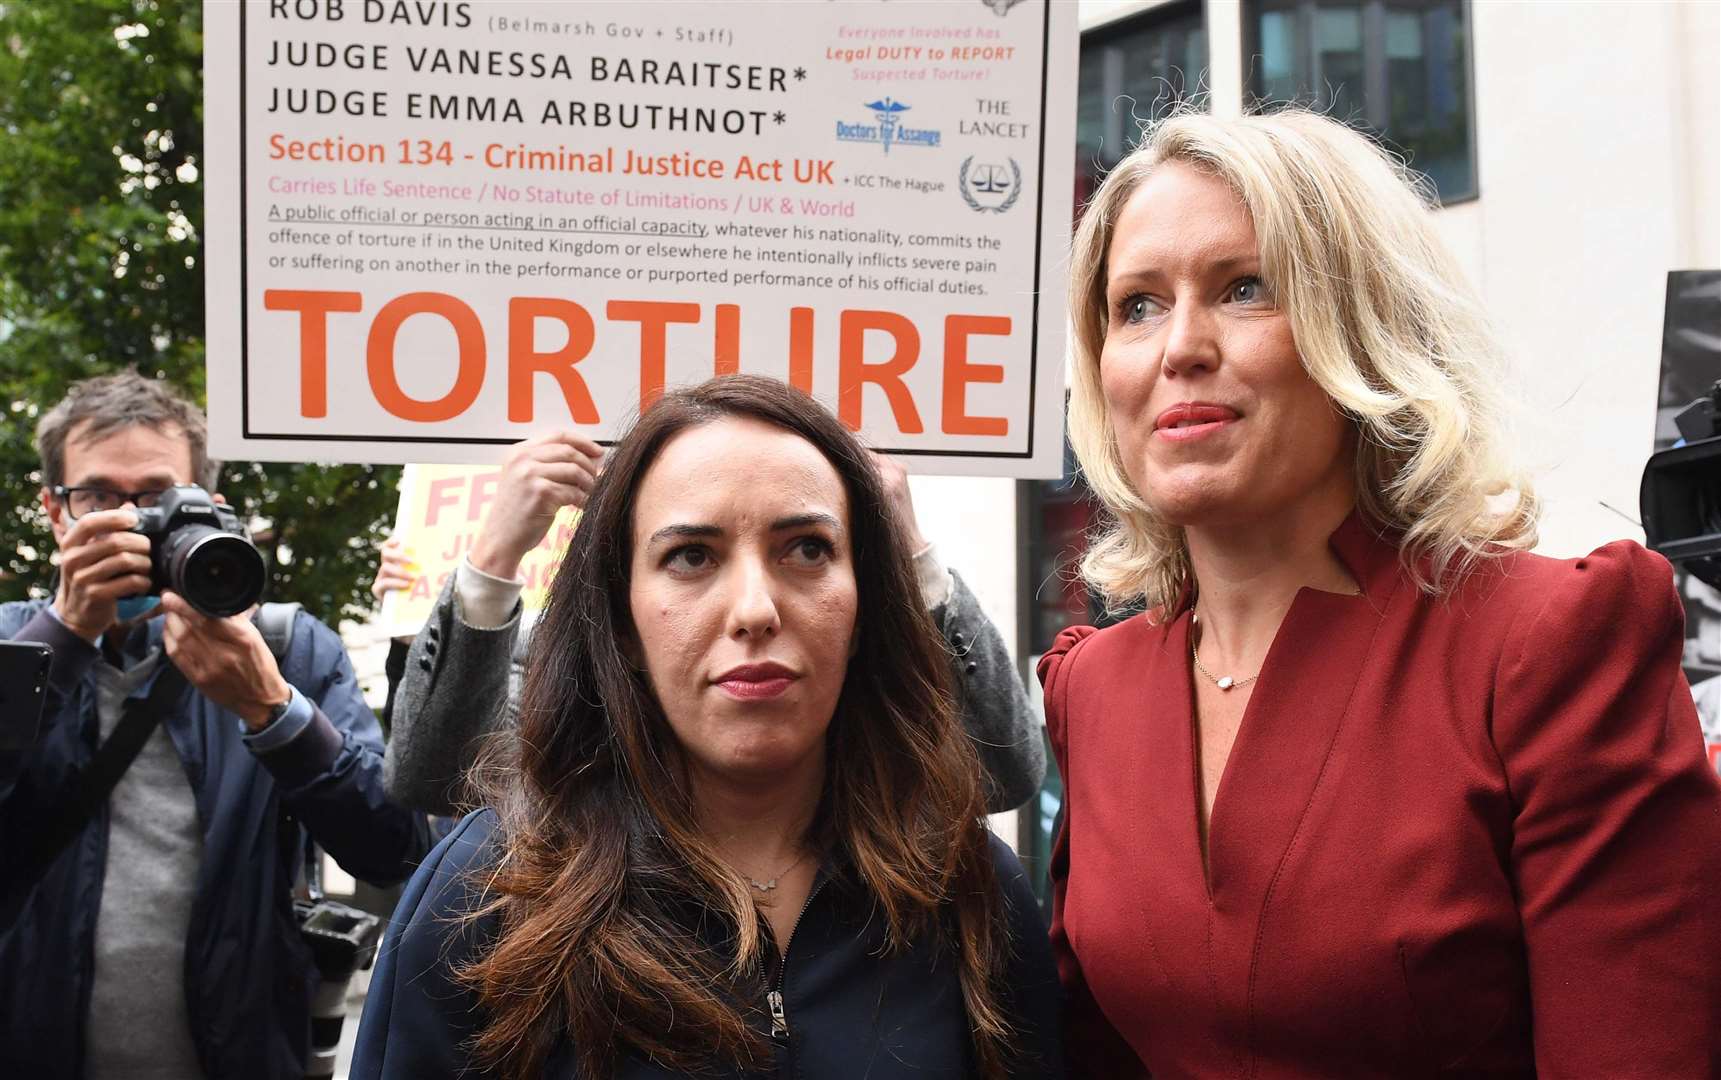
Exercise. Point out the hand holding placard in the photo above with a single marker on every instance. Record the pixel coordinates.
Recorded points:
(539, 477)
(396, 571)
(895, 479)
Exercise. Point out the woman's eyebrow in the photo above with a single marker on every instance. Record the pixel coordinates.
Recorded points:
(1228, 264)
(801, 521)
(1233, 263)
(681, 531)
(1133, 274)
(684, 532)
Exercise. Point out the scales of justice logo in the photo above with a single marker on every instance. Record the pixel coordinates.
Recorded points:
(889, 129)
(990, 187)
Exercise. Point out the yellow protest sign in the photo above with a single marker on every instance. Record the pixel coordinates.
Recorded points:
(442, 508)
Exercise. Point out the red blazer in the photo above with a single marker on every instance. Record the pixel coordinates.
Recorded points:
(1476, 835)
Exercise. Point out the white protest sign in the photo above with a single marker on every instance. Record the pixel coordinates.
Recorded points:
(434, 228)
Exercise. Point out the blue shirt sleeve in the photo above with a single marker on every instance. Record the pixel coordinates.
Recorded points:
(284, 728)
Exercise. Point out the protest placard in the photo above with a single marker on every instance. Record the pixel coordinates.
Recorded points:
(435, 228)
(441, 510)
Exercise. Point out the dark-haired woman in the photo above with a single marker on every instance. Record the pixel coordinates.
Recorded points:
(739, 831)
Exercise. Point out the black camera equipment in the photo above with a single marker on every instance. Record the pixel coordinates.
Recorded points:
(1681, 492)
(342, 940)
(23, 689)
(198, 549)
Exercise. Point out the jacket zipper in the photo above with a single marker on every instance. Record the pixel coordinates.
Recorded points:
(774, 996)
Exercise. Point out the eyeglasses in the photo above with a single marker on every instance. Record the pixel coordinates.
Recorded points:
(84, 500)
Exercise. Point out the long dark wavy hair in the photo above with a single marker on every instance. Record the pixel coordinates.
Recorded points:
(601, 855)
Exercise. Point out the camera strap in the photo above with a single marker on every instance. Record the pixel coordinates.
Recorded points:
(275, 622)
(93, 786)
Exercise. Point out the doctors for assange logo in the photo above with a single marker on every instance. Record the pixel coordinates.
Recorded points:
(889, 128)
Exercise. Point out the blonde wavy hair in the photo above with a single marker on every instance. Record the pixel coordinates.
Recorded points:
(1384, 323)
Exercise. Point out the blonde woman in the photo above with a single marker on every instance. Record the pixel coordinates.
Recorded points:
(1465, 821)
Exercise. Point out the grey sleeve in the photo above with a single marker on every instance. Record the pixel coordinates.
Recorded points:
(995, 709)
(461, 684)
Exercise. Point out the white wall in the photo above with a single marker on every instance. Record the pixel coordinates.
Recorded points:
(1694, 37)
(972, 520)
(1596, 149)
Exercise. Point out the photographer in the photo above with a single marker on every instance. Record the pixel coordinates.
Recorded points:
(159, 939)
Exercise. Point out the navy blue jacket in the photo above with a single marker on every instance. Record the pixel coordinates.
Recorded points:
(852, 1010)
(248, 979)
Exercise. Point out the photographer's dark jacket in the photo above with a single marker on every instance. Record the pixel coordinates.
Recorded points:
(247, 977)
(851, 1009)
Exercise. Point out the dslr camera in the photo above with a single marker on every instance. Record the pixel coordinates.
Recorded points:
(198, 549)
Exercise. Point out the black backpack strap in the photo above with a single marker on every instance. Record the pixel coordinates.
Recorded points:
(93, 786)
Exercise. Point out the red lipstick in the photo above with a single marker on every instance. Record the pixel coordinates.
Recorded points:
(1193, 420)
(753, 682)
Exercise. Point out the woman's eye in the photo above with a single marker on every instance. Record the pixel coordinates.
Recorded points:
(1250, 290)
(1137, 309)
(809, 550)
(688, 558)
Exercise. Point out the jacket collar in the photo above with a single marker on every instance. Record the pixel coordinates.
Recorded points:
(1369, 551)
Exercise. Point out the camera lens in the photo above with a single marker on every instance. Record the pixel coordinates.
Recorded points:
(217, 572)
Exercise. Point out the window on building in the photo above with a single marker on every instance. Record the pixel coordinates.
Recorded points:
(1399, 68)
(1132, 72)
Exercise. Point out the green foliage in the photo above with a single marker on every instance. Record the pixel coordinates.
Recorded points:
(101, 268)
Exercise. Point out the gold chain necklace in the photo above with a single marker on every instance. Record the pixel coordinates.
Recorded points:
(1223, 682)
(771, 883)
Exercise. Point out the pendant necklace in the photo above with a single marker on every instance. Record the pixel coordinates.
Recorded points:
(771, 883)
(1223, 682)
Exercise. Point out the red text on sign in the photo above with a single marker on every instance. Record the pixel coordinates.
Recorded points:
(877, 348)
